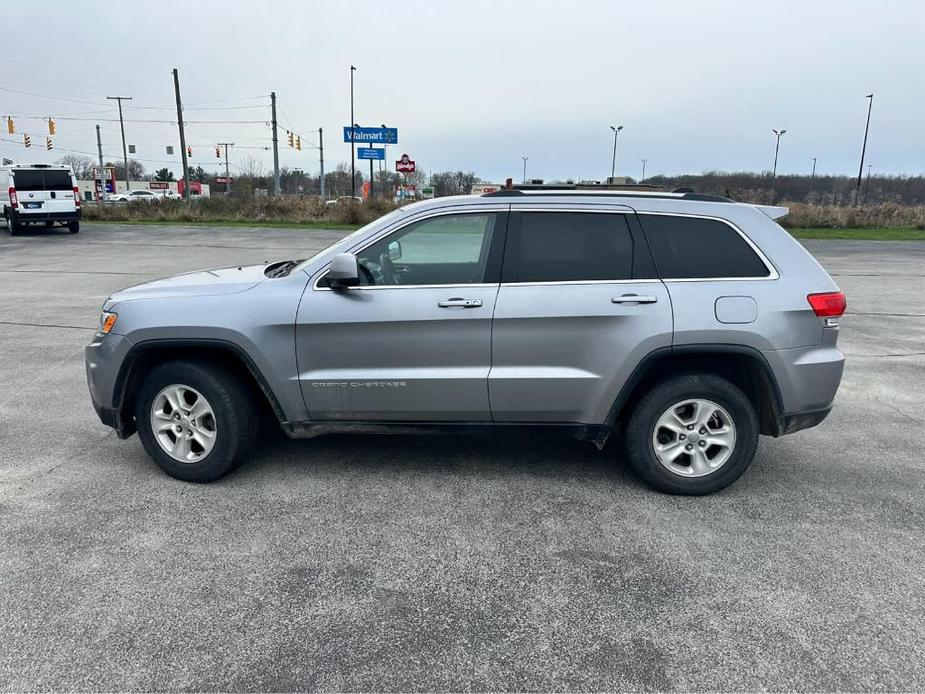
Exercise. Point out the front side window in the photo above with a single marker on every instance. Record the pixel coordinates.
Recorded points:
(573, 246)
(450, 249)
(697, 248)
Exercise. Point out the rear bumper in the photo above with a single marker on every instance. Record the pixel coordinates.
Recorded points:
(24, 217)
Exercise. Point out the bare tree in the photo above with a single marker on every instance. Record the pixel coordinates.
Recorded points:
(136, 169)
(81, 166)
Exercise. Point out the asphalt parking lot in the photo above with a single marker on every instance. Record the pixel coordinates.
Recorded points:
(424, 563)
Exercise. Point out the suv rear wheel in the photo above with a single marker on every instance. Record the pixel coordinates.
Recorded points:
(73, 227)
(693, 434)
(196, 421)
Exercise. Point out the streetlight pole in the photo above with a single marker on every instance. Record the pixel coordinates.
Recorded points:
(643, 171)
(125, 152)
(812, 176)
(613, 161)
(525, 168)
(778, 133)
(870, 105)
(353, 154)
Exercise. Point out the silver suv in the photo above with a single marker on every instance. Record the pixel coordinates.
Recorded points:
(688, 324)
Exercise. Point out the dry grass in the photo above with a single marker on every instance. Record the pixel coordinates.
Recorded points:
(241, 211)
(887, 215)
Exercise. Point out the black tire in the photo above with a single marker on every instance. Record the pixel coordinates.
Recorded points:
(235, 419)
(640, 430)
(14, 226)
(73, 227)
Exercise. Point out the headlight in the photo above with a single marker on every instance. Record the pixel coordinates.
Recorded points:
(107, 321)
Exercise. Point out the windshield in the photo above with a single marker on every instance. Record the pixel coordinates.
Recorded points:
(345, 242)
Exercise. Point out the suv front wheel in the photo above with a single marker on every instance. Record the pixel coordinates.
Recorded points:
(196, 421)
(693, 434)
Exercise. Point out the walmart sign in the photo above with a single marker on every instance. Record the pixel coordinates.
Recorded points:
(366, 136)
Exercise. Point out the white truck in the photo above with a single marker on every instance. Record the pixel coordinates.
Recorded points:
(44, 194)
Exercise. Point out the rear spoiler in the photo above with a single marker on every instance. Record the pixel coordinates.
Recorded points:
(774, 213)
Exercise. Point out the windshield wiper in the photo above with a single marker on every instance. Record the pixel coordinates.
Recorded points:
(281, 269)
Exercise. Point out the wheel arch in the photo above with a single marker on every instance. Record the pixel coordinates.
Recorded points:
(744, 366)
(146, 355)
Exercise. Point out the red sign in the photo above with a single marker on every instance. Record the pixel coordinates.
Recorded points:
(405, 164)
(158, 185)
(224, 179)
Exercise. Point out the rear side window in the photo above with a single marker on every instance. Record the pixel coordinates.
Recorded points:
(573, 246)
(42, 179)
(696, 248)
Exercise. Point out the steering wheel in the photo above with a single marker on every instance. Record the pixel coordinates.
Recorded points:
(388, 269)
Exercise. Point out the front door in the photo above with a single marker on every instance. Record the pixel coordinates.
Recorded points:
(579, 306)
(413, 341)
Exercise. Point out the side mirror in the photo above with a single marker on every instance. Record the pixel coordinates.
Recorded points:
(344, 271)
(395, 250)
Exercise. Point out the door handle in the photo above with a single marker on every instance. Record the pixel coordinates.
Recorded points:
(460, 303)
(634, 299)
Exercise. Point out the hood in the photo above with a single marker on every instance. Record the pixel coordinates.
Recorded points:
(228, 280)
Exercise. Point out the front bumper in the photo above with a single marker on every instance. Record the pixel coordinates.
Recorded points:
(103, 358)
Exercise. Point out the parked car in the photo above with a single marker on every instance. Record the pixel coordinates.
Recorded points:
(689, 324)
(43, 194)
(140, 194)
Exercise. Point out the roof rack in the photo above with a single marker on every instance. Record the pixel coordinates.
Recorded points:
(572, 190)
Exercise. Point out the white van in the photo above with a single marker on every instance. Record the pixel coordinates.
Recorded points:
(39, 194)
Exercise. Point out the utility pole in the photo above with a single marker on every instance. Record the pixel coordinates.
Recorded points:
(812, 176)
(276, 190)
(321, 154)
(226, 145)
(643, 171)
(870, 106)
(613, 162)
(176, 88)
(99, 149)
(125, 151)
(525, 168)
(353, 154)
(372, 193)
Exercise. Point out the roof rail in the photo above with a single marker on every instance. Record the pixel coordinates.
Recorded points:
(565, 190)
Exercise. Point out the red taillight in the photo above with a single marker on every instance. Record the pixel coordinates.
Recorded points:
(76, 196)
(14, 201)
(828, 304)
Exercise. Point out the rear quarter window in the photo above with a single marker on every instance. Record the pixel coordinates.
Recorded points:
(698, 248)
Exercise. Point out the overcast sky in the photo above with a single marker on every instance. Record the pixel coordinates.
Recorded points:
(477, 85)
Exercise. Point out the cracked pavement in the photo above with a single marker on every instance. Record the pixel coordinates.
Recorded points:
(435, 563)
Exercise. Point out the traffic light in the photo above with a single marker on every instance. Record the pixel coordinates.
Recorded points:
(218, 152)
(298, 143)
(291, 138)
(52, 128)
(10, 128)
(48, 144)
(189, 150)
(27, 141)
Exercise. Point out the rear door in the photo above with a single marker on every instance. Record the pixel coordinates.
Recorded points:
(578, 307)
(45, 191)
